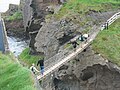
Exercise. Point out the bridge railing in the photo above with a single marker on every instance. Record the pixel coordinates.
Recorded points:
(51, 62)
(113, 18)
(5, 36)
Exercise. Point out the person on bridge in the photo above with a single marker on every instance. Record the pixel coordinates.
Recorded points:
(106, 25)
(85, 36)
(74, 44)
(81, 38)
(33, 68)
(41, 63)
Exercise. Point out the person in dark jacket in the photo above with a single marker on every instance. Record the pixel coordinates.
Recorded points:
(41, 63)
(106, 25)
(74, 44)
(81, 38)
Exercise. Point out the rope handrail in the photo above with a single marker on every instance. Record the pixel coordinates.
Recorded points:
(5, 36)
(59, 62)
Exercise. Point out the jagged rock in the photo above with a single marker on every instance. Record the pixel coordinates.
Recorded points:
(12, 9)
(34, 12)
(52, 35)
(14, 27)
(91, 72)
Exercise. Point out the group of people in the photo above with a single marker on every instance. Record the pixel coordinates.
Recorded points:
(82, 38)
(39, 63)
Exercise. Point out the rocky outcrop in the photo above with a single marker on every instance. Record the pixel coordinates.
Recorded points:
(14, 27)
(85, 72)
(88, 71)
(54, 34)
(34, 12)
(12, 9)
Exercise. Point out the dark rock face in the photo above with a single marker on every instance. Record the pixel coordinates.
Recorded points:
(86, 75)
(33, 15)
(96, 77)
(52, 35)
(88, 71)
(15, 28)
(34, 12)
(12, 9)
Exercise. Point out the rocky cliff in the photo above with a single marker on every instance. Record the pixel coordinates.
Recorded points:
(34, 17)
(88, 71)
(13, 21)
(54, 34)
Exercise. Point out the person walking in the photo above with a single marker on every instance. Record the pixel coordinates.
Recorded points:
(81, 38)
(74, 44)
(33, 68)
(106, 25)
(41, 63)
(85, 36)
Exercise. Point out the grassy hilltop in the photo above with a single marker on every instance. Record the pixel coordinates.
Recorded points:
(82, 7)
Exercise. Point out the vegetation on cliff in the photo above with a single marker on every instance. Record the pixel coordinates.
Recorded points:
(29, 59)
(84, 6)
(13, 76)
(16, 16)
(107, 43)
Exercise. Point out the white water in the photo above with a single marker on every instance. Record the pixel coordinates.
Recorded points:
(16, 46)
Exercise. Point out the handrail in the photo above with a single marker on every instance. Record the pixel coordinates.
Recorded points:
(5, 36)
(70, 56)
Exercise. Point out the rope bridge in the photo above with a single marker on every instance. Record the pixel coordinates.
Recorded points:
(64, 56)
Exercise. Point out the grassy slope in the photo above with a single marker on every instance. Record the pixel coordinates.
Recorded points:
(107, 43)
(29, 59)
(13, 76)
(83, 6)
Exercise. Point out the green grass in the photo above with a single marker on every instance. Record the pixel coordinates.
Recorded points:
(15, 16)
(82, 7)
(13, 76)
(29, 59)
(107, 43)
